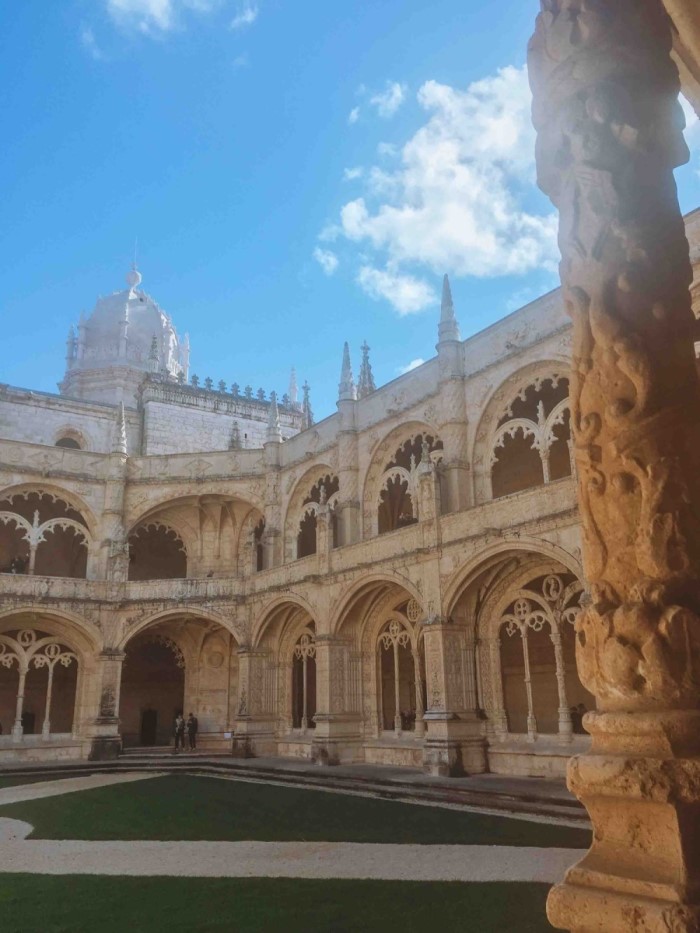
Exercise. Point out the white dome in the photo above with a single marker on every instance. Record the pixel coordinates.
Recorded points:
(134, 315)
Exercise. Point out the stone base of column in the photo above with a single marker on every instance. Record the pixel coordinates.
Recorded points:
(334, 737)
(242, 747)
(325, 752)
(105, 748)
(454, 757)
(641, 786)
(443, 758)
(253, 738)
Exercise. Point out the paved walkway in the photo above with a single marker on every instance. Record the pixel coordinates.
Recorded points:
(280, 859)
(21, 792)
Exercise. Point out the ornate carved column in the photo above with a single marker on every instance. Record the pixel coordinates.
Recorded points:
(105, 679)
(609, 136)
(337, 724)
(454, 743)
(564, 711)
(254, 728)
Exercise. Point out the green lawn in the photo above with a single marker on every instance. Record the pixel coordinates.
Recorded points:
(186, 807)
(13, 780)
(83, 904)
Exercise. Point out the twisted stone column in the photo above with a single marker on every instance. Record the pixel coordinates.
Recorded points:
(609, 136)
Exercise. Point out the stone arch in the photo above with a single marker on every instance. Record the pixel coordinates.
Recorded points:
(294, 512)
(380, 457)
(183, 661)
(69, 432)
(269, 615)
(281, 626)
(208, 524)
(156, 552)
(250, 547)
(73, 501)
(137, 626)
(466, 574)
(490, 431)
(61, 657)
(521, 683)
(379, 583)
(43, 532)
(358, 622)
(84, 635)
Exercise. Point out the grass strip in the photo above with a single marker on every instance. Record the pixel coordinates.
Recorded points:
(85, 903)
(187, 807)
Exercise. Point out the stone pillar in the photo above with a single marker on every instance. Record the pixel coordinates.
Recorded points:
(324, 540)
(255, 724)
(454, 430)
(348, 508)
(106, 742)
(609, 136)
(113, 561)
(454, 744)
(337, 728)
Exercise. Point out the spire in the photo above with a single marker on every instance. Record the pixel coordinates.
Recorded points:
(448, 328)
(274, 432)
(293, 388)
(365, 383)
(70, 346)
(119, 446)
(308, 415)
(346, 387)
(153, 355)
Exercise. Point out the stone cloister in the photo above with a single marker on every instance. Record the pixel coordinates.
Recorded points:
(488, 564)
(397, 584)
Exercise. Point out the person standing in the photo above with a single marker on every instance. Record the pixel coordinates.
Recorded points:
(192, 728)
(179, 730)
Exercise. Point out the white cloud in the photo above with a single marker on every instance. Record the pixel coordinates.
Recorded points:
(354, 115)
(454, 200)
(326, 259)
(389, 100)
(352, 174)
(387, 149)
(246, 16)
(89, 43)
(153, 17)
(692, 132)
(241, 61)
(406, 293)
(414, 364)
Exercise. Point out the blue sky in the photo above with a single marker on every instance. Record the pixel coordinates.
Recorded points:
(297, 172)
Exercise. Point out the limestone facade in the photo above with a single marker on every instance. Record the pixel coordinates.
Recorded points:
(397, 583)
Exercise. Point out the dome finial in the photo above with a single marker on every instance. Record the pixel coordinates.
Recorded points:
(133, 276)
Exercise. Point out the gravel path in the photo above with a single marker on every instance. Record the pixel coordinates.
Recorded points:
(21, 792)
(279, 859)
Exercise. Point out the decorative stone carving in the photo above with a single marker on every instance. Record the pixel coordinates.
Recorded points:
(609, 136)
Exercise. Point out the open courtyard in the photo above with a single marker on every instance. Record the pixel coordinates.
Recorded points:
(179, 852)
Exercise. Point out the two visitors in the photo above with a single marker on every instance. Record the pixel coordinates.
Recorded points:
(191, 727)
